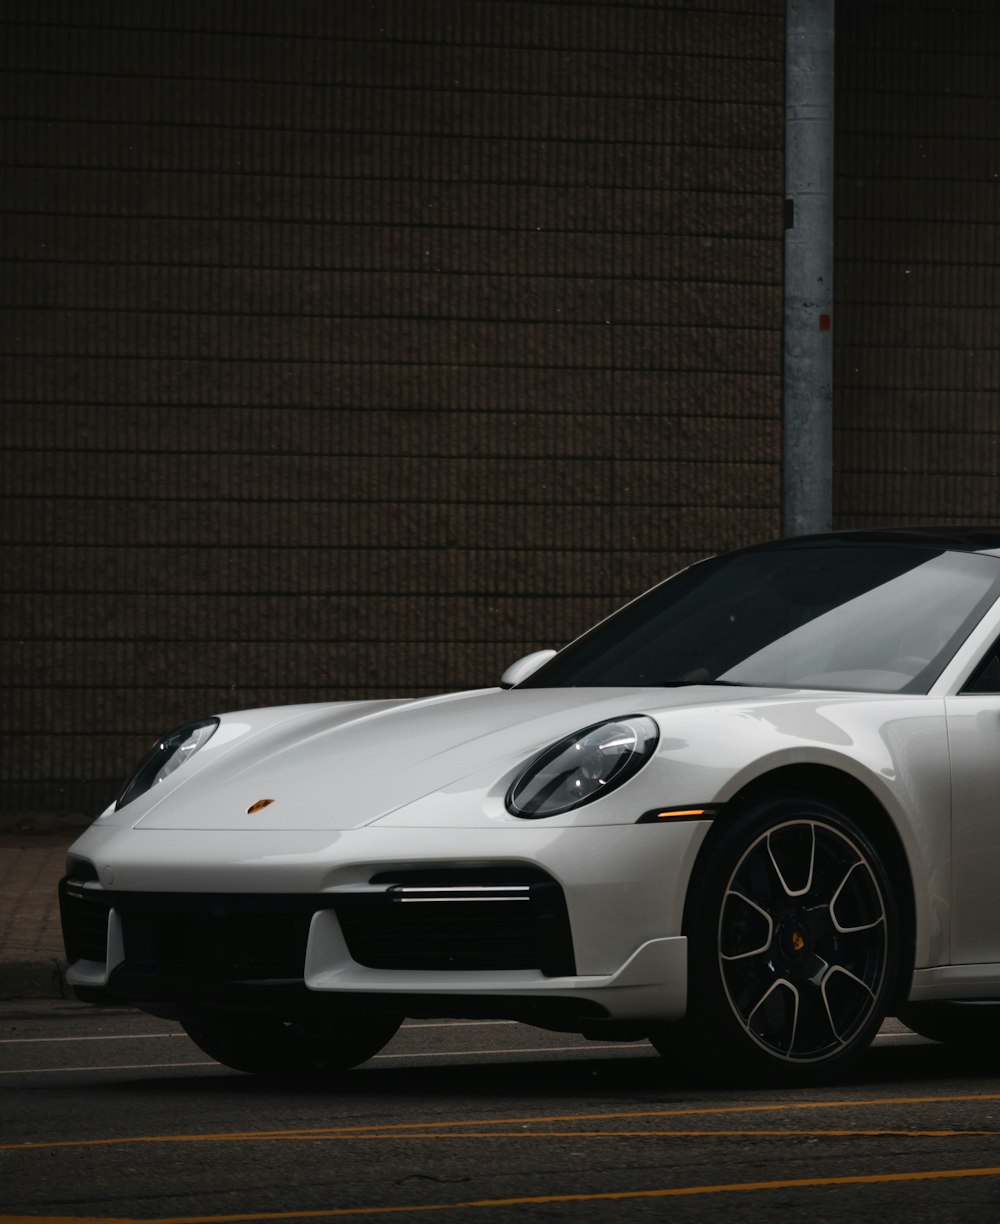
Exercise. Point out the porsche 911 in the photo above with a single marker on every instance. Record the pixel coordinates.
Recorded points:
(746, 817)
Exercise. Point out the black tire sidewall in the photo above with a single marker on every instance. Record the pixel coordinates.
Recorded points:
(711, 1023)
(270, 1046)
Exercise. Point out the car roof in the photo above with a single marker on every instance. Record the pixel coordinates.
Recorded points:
(978, 538)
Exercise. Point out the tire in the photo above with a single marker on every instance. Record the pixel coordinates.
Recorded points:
(793, 945)
(956, 1022)
(296, 1047)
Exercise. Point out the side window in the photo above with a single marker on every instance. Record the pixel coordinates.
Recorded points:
(986, 677)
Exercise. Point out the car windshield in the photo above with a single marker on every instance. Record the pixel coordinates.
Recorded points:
(867, 618)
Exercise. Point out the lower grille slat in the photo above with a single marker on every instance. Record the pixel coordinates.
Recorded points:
(231, 946)
(452, 920)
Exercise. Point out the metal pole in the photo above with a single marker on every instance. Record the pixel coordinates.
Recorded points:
(808, 322)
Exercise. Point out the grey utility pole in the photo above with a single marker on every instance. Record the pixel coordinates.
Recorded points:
(808, 323)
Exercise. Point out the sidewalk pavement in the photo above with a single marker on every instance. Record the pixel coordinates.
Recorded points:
(32, 960)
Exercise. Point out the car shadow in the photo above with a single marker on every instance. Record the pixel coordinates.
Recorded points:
(918, 1066)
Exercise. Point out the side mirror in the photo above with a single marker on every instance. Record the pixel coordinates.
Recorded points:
(523, 668)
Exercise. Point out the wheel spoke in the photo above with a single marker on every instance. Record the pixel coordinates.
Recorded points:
(869, 920)
(838, 971)
(813, 970)
(817, 1031)
(792, 851)
(843, 994)
(774, 1019)
(742, 930)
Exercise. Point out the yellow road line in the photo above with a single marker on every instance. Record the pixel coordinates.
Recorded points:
(373, 1130)
(865, 1179)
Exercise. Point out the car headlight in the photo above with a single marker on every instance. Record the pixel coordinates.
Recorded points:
(167, 754)
(583, 767)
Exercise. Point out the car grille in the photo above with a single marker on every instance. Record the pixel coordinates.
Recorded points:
(236, 943)
(439, 921)
(192, 935)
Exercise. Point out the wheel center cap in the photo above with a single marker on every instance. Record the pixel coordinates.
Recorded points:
(793, 939)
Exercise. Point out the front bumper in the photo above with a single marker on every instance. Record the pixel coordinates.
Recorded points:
(182, 924)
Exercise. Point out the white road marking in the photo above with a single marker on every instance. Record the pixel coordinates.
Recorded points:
(429, 1054)
(904, 1038)
(101, 1037)
(98, 1067)
(457, 1024)
(151, 1036)
(617, 1045)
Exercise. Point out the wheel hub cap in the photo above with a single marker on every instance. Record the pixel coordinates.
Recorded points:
(792, 940)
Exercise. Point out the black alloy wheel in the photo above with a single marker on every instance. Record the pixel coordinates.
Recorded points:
(793, 946)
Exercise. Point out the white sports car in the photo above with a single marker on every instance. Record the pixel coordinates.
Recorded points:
(747, 816)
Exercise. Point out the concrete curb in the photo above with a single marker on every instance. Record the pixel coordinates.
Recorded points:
(37, 979)
(32, 957)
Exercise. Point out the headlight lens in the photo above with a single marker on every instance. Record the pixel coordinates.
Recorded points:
(583, 767)
(167, 754)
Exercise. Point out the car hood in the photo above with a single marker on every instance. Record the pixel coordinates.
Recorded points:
(339, 767)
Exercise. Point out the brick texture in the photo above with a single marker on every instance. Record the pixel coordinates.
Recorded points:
(357, 349)
(917, 335)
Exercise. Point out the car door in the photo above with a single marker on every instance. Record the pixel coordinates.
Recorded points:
(974, 734)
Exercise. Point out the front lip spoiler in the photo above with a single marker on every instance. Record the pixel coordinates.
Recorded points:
(189, 1000)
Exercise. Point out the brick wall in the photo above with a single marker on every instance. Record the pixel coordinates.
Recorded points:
(357, 349)
(917, 333)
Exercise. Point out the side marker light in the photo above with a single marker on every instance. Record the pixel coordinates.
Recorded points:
(659, 815)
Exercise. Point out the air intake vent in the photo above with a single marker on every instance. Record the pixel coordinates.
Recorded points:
(450, 920)
(84, 921)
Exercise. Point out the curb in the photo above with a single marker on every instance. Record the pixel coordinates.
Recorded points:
(39, 979)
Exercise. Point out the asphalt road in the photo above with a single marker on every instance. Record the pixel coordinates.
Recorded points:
(115, 1115)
